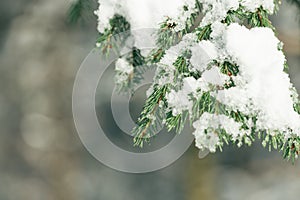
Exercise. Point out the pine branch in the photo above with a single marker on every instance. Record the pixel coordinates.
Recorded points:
(115, 36)
(143, 131)
(80, 10)
(145, 121)
(167, 36)
(140, 66)
(156, 111)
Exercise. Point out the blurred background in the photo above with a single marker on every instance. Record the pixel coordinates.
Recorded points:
(41, 156)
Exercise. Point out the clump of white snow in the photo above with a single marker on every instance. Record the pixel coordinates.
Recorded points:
(123, 66)
(124, 70)
(203, 54)
(267, 86)
(144, 13)
(216, 10)
(207, 130)
(252, 5)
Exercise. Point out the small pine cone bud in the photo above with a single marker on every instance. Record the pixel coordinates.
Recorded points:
(293, 147)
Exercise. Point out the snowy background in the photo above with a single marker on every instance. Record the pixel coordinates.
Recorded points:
(41, 156)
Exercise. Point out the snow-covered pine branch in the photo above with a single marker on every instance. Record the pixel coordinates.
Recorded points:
(219, 64)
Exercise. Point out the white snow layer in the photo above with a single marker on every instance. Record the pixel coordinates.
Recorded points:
(149, 13)
(142, 13)
(267, 87)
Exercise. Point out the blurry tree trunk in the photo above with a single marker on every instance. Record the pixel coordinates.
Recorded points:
(200, 177)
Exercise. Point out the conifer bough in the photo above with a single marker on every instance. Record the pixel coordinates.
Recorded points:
(219, 65)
